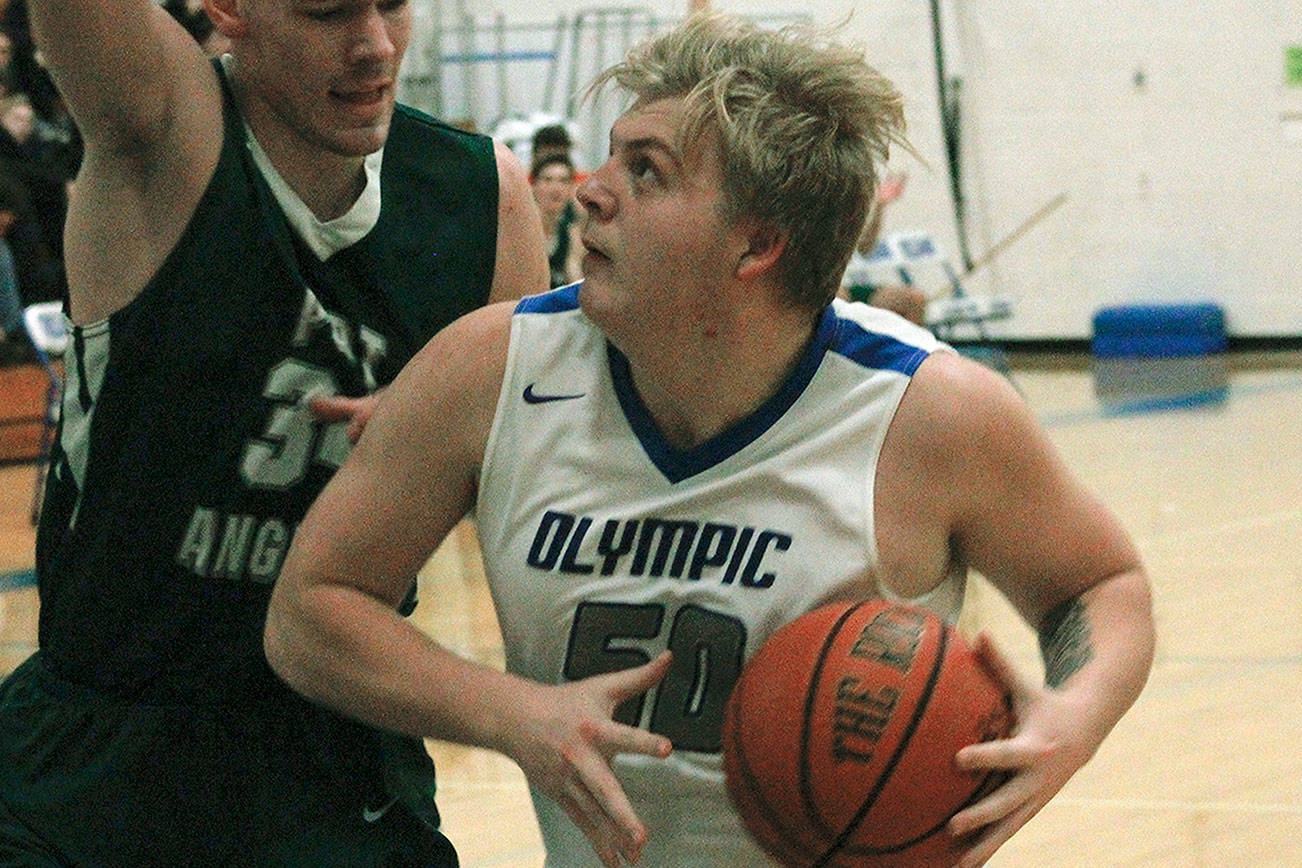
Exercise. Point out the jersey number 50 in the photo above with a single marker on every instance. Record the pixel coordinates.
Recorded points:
(708, 648)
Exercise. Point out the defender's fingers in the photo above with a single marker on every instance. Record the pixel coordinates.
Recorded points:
(585, 813)
(332, 408)
(639, 679)
(357, 426)
(618, 738)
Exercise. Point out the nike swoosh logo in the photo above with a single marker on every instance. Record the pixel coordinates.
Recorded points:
(372, 816)
(530, 397)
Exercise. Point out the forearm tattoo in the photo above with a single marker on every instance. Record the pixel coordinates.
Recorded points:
(1065, 642)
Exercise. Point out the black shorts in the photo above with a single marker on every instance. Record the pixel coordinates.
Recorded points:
(87, 781)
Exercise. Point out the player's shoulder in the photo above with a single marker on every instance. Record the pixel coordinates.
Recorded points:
(957, 406)
(467, 356)
(410, 115)
(550, 329)
(564, 299)
(879, 339)
(411, 125)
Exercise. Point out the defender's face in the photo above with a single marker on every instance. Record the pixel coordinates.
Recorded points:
(324, 72)
(658, 247)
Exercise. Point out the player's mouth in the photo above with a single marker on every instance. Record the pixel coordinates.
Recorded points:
(594, 249)
(362, 97)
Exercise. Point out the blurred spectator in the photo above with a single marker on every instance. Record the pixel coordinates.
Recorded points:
(11, 303)
(15, 347)
(38, 163)
(38, 270)
(28, 76)
(6, 60)
(552, 139)
(555, 139)
(552, 177)
(856, 284)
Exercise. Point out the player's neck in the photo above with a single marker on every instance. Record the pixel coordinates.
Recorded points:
(327, 183)
(710, 380)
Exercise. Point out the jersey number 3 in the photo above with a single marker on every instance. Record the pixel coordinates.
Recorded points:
(280, 458)
(708, 648)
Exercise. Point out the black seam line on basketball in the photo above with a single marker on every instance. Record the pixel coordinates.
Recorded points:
(787, 837)
(980, 790)
(918, 710)
(807, 802)
(988, 784)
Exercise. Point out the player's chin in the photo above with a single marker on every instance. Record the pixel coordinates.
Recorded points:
(358, 141)
(357, 133)
(597, 300)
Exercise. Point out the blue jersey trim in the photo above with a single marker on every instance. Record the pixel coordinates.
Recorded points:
(555, 301)
(679, 464)
(875, 350)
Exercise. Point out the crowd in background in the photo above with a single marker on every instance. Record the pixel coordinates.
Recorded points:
(40, 151)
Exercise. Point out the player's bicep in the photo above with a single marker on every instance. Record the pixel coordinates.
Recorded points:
(1021, 517)
(133, 79)
(412, 475)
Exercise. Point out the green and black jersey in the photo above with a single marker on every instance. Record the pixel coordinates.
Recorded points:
(187, 456)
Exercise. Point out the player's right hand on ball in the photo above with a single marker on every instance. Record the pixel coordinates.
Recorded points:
(565, 745)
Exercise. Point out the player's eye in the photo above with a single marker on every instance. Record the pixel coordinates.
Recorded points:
(326, 13)
(642, 168)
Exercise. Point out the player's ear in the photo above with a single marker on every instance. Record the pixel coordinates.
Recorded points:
(765, 244)
(228, 16)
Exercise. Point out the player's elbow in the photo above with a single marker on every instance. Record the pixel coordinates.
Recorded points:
(284, 652)
(276, 648)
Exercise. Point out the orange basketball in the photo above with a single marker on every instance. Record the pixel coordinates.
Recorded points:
(840, 735)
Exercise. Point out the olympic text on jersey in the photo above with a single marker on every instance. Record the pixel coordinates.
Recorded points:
(657, 547)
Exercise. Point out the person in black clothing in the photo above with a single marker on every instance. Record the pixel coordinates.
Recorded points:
(256, 245)
(38, 272)
(40, 165)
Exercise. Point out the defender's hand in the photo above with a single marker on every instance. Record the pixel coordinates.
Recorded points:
(337, 408)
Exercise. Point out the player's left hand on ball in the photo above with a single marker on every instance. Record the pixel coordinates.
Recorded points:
(1047, 746)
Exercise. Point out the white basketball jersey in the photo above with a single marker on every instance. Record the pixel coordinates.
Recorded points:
(604, 545)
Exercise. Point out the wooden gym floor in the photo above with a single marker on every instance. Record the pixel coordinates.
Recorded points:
(1206, 769)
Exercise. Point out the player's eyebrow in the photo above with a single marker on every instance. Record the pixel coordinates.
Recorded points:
(644, 143)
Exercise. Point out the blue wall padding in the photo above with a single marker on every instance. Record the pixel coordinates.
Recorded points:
(1159, 330)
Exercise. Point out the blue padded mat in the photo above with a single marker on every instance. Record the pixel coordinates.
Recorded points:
(1159, 330)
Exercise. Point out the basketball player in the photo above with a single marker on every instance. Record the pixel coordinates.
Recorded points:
(244, 236)
(691, 448)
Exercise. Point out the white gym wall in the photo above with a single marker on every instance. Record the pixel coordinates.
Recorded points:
(1173, 130)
